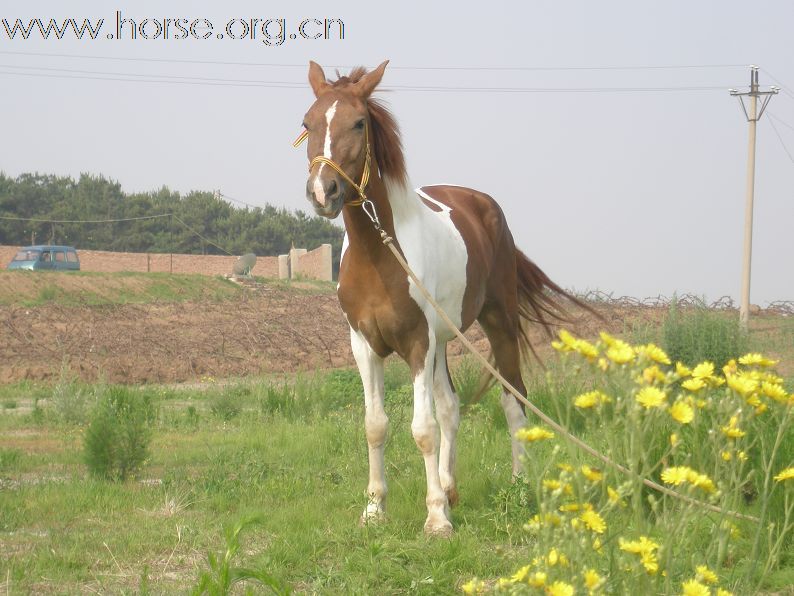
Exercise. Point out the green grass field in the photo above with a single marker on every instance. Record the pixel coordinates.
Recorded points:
(291, 452)
(302, 467)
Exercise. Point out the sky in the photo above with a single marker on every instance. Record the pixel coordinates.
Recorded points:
(605, 130)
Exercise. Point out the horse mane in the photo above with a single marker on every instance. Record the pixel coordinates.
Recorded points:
(384, 132)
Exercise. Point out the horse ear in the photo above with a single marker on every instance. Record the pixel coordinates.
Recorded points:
(317, 79)
(366, 84)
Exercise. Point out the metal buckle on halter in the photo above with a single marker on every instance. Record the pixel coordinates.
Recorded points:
(369, 208)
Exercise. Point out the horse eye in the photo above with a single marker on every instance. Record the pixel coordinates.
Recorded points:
(359, 124)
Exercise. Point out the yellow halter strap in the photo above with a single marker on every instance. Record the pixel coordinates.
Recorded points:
(364, 175)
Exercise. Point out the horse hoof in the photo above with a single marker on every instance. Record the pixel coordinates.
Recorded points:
(372, 515)
(439, 530)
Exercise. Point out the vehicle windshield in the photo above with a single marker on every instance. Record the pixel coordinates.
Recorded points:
(27, 255)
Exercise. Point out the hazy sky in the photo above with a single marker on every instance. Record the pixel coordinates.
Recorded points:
(628, 180)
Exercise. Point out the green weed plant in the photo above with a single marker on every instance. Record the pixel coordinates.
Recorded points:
(719, 438)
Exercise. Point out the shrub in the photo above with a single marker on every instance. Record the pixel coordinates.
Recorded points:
(720, 440)
(116, 442)
(225, 406)
(701, 334)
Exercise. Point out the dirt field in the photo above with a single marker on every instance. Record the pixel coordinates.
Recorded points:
(216, 333)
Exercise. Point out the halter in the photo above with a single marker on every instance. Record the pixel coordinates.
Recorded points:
(362, 198)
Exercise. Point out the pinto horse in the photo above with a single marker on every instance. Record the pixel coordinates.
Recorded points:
(458, 244)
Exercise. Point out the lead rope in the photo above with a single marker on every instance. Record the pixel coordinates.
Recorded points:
(369, 209)
(389, 242)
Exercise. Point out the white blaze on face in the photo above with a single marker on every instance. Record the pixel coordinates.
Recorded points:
(319, 191)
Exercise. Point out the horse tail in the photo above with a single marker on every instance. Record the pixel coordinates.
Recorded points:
(541, 301)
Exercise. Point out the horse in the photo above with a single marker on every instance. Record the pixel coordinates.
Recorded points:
(457, 242)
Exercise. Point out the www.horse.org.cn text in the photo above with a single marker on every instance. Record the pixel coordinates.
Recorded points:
(268, 31)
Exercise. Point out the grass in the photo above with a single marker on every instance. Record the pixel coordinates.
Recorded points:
(302, 470)
(289, 452)
(80, 288)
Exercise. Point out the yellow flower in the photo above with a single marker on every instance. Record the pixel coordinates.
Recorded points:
(535, 433)
(731, 430)
(607, 338)
(726, 455)
(786, 474)
(569, 507)
(730, 368)
(742, 384)
(682, 412)
(674, 440)
(592, 580)
(645, 548)
(591, 399)
(755, 359)
(473, 586)
(682, 370)
(560, 588)
(592, 474)
(721, 592)
(614, 497)
(693, 385)
(706, 574)
(773, 390)
(693, 587)
(678, 475)
(652, 374)
(704, 370)
(556, 557)
(537, 579)
(593, 521)
(520, 575)
(551, 484)
(655, 353)
(565, 467)
(651, 397)
(620, 352)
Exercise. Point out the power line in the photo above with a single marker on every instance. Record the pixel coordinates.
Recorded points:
(106, 76)
(76, 221)
(783, 122)
(780, 138)
(783, 87)
(392, 67)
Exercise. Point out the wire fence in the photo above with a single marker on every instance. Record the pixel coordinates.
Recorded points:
(781, 307)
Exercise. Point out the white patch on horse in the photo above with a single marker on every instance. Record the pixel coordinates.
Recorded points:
(516, 419)
(345, 246)
(319, 191)
(435, 251)
(370, 366)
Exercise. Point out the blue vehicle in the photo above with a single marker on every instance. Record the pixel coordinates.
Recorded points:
(46, 257)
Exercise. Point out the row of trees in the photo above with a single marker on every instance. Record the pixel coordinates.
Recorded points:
(199, 219)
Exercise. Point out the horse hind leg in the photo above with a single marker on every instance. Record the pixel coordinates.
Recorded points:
(370, 367)
(448, 416)
(503, 336)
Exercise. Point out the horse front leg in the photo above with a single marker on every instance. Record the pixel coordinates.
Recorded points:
(426, 434)
(370, 367)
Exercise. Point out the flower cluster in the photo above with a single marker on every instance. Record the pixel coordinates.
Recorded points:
(694, 428)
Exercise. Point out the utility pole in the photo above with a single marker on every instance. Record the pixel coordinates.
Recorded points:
(752, 116)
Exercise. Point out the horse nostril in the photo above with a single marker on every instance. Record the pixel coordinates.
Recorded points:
(332, 190)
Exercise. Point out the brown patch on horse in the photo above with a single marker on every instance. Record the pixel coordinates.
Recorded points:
(384, 133)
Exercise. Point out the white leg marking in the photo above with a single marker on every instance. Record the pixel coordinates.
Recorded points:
(516, 419)
(448, 415)
(319, 191)
(370, 366)
(425, 431)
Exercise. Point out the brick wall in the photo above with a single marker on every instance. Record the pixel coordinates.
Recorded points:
(103, 261)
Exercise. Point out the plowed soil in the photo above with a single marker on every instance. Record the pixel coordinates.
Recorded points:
(269, 328)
